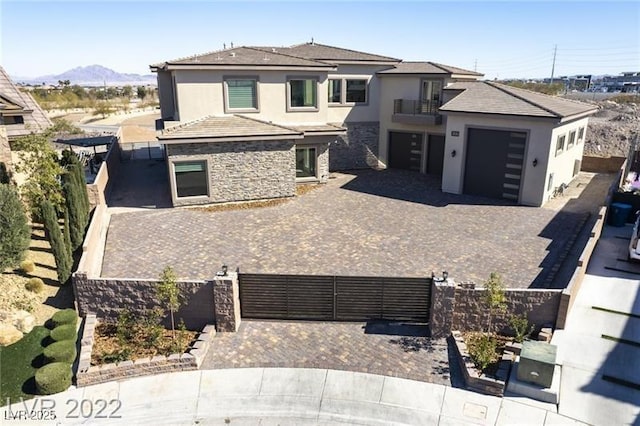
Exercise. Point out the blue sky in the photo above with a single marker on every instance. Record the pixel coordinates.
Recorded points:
(507, 39)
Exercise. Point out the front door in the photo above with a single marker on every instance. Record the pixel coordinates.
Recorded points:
(435, 155)
(405, 150)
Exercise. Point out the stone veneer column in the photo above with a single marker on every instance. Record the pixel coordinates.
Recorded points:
(443, 296)
(5, 148)
(226, 298)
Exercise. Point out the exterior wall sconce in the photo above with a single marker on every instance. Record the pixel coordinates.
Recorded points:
(453, 153)
(223, 271)
(535, 162)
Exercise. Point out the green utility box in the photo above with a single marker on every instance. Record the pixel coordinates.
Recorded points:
(537, 362)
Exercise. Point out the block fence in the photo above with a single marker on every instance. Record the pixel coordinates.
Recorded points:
(205, 302)
(91, 375)
(461, 307)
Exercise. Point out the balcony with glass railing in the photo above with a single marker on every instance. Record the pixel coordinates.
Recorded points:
(410, 111)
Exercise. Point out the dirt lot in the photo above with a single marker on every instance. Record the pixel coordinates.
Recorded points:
(612, 129)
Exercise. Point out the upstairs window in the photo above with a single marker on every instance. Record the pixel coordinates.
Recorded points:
(572, 139)
(348, 91)
(335, 91)
(242, 94)
(303, 93)
(580, 134)
(560, 144)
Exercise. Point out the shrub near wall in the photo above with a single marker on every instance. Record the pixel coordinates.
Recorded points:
(53, 378)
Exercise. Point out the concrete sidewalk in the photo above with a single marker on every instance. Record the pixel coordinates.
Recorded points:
(599, 347)
(283, 396)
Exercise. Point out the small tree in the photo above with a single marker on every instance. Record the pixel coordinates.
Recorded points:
(14, 229)
(56, 239)
(66, 233)
(76, 197)
(39, 162)
(169, 294)
(494, 297)
(103, 109)
(141, 92)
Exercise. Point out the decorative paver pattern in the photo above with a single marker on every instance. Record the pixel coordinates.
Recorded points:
(404, 352)
(371, 223)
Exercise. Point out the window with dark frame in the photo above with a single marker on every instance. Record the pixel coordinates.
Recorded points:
(356, 91)
(335, 91)
(560, 144)
(306, 162)
(572, 139)
(303, 93)
(580, 133)
(191, 178)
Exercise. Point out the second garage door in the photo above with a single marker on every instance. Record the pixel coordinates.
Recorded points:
(494, 163)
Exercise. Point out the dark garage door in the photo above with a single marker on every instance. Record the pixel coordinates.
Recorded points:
(494, 163)
(435, 155)
(342, 298)
(405, 150)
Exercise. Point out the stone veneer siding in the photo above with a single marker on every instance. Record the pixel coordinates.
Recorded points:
(91, 375)
(358, 149)
(5, 149)
(323, 162)
(106, 297)
(240, 171)
(459, 308)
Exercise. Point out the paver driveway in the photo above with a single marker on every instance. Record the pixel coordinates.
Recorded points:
(380, 223)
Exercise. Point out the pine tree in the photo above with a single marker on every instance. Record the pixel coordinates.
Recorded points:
(56, 239)
(76, 197)
(67, 233)
(14, 229)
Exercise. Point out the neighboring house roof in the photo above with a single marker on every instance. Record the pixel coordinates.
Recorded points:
(16, 102)
(427, 68)
(494, 98)
(234, 127)
(244, 56)
(322, 52)
(319, 129)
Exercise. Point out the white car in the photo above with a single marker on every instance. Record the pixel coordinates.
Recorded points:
(634, 247)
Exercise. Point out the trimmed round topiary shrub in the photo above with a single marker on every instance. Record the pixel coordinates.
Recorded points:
(62, 351)
(65, 316)
(64, 332)
(53, 378)
(27, 266)
(34, 285)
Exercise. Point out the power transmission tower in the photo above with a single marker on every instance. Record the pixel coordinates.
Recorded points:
(553, 66)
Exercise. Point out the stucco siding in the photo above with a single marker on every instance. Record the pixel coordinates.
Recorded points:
(238, 171)
(538, 132)
(165, 94)
(201, 93)
(562, 165)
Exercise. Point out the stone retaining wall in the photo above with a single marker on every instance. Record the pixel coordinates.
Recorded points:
(107, 297)
(472, 376)
(358, 149)
(570, 293)
(601, 164)
(462, 308)
(91, 375)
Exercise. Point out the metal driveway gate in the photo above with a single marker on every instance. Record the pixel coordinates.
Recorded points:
(327, 297)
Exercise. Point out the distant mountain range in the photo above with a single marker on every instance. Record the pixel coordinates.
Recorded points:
(92, 75)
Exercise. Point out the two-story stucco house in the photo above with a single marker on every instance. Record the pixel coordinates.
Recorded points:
(250, 123)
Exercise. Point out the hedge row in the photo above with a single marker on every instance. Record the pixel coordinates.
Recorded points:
(55, 376)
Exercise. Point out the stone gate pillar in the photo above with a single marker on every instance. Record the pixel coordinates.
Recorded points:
(226, 299)
(443, 295)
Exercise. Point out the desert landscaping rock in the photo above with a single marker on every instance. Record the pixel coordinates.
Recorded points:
(24, 321)
(9, 334)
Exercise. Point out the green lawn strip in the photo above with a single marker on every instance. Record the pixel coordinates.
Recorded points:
(18, 365)
(611, 311)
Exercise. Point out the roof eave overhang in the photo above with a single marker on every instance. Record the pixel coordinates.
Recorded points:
(362, 62)
(578, 116)
(467, 76)
(412, 74)
(207, 67)
(325, 133)
(495, 114)
(206, 139)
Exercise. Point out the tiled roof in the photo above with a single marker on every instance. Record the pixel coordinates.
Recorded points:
(427, 68)
(35, 119)
(494, 98)
(234, 126)
(249, 56)
(322, 52)
(318, 128)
